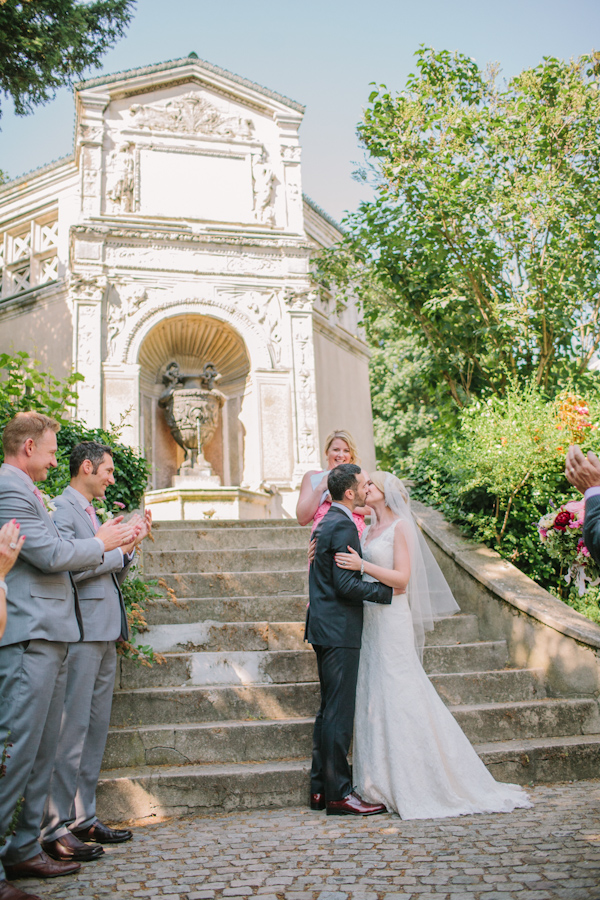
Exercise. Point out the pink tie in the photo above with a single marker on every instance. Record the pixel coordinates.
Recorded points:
(38, 494)
(92, 514)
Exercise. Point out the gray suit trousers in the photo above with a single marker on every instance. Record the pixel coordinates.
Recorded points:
(90, 682)
(33, 677)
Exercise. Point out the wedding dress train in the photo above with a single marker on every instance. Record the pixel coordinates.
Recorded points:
(409, 751)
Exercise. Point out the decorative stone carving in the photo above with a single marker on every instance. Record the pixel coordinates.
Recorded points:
(264, 190)
(192, 405)
(120, 307)
(120, 179)
(291, 153)
(88, 287)
(266, 309)
(301, 301)
(306, 393)
(190, 114)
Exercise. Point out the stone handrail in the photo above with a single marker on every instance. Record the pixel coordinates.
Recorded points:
(540, 631)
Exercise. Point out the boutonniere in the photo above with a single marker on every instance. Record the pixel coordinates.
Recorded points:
(49, 504)
(104, 514)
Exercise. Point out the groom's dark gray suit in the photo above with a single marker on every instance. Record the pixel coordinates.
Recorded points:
(90, 680)
(334, 624)
(43, 621)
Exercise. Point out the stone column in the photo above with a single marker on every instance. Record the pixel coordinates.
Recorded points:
(89, 141)
(306, 429)
(87, 294)
(275, 424)
(122, 396)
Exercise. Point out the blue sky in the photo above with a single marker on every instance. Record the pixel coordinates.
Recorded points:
(323, 54)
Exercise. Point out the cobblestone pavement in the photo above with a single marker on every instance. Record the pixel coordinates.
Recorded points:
(550, 851)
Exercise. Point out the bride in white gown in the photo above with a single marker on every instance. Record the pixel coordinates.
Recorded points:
(409, 751)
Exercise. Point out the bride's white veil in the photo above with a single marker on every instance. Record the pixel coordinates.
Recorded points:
(429, 595)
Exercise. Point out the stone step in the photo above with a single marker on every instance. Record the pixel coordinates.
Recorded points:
(458, 629)
(126, 795)
(260, 666)
(273, 608)
(269, 635)
(216, 703)
(226, 741)
(499, 686)
(238, 584)
(145, 792)
(543, 760)
(484, 723)
(165, 562)
(284, 738)
(188, 537)
(224, 636)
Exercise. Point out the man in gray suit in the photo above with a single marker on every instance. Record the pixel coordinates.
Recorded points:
(43, 621)
(70, 817)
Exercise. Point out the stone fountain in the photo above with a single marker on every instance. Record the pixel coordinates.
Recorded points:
(192, 406)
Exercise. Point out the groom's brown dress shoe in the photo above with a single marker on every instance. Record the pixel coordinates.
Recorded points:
(353, 805)
(317, 801)
(41, 866)
(98, 833)
(67, 846)
(10, 892)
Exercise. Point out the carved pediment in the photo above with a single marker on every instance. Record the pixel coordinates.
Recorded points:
(190, 114)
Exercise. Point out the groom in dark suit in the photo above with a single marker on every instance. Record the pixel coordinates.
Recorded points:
(334, 624)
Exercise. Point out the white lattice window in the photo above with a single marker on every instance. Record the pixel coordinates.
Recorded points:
(30, 255)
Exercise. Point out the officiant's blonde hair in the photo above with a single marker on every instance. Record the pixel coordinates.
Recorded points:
(343, 436)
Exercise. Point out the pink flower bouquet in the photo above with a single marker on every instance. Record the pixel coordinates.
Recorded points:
(561, 532)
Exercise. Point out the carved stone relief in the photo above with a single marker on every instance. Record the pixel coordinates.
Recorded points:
(291, 153)
(300, 301)
(306, 394)
(120, 179)
(264, 182)
(88, 287)
(120, 307)
(190, 114)
(266, 310)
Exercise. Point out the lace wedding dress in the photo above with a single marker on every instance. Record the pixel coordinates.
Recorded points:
(409, 751)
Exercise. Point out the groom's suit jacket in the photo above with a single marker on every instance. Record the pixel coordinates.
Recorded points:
(335, 613)
(41, 597)
(99, 588)
(591, 527)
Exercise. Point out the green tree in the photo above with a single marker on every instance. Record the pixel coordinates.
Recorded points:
(45, 44)
(482, 238)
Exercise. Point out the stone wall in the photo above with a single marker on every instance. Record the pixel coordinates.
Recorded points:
(540, 631)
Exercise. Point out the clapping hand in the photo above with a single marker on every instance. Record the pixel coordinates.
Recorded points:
(116, 533)
(143, 528)
(583, 472)
(351, 560)
(11, 542)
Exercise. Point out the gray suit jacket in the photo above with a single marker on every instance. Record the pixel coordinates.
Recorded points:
(41, 597)
(99, 588)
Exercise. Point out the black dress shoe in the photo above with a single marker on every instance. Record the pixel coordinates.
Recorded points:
(67, 846)
(10, 892)
(41, 866)
(353, 805)
(98, 833)
(317, 801)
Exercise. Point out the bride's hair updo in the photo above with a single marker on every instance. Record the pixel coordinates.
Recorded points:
(343, 436)
(381, 479)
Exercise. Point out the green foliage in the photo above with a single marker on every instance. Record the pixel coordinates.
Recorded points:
(137, 594)
(24, 387)
(501, 472)
(482, 236)
(45, 44)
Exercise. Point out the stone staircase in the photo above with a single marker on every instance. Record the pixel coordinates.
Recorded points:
(226, 722)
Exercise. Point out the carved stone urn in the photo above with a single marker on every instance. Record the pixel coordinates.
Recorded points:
(192, 406)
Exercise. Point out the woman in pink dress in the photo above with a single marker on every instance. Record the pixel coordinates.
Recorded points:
(314, 500)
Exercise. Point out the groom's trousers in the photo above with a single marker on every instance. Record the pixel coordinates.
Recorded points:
(338, 673)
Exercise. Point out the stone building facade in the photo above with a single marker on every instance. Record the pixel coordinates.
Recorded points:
(178, 230)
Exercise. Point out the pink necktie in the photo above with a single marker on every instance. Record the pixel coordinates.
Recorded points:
(92, 514)
(38, 494)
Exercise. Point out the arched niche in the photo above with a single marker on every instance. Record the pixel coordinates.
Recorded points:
(193, 340)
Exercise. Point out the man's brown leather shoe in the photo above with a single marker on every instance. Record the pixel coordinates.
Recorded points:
(10, 892)
(67, 846)
(317, 801)
(353, 805)
(41, 866)
(98, 833)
